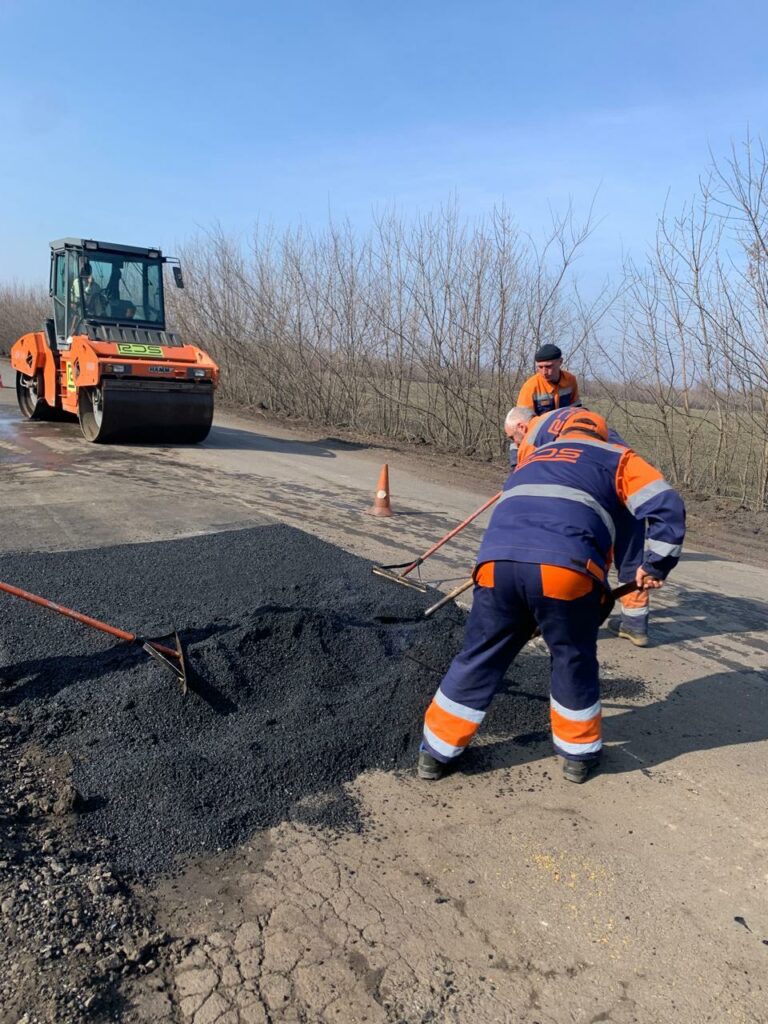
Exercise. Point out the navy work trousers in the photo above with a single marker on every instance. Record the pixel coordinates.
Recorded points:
(517, 597)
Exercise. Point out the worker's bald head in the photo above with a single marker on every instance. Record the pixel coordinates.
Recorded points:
(516, 423)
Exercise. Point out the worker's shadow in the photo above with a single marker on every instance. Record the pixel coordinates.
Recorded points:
(699, 613)
(724, 709)
(720, 710)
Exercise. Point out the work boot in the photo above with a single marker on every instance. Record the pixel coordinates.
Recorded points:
(429, 767)
(579, 771)
(620, 628)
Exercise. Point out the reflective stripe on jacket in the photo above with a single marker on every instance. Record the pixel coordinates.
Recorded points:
(562, 503)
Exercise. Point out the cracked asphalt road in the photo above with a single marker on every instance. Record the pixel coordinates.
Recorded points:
(502, 894)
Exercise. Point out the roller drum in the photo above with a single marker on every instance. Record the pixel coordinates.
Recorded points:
(156, 412)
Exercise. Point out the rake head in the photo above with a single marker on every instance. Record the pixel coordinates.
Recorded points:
(398, 577)
(171, 658)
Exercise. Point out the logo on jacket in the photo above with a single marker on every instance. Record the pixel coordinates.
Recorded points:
(555, 455)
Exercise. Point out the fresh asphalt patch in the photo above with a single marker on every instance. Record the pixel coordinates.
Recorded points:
(306, 669)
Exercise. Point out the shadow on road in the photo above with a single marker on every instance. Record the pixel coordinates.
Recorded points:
(721, 710)
(700, 613)
(234, 439)
(725, 709)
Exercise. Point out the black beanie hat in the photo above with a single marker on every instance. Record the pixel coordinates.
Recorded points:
(547, 352)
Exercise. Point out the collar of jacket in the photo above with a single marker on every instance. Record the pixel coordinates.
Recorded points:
(574, 435)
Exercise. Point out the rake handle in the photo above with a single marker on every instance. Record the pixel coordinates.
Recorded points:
(624, 589)
(449, 597)
(86, 620)
(452, 533)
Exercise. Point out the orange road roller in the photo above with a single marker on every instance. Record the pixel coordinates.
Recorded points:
(106, 357)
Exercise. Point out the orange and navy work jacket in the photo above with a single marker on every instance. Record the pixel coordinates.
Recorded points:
(543, 396)
(562, 503)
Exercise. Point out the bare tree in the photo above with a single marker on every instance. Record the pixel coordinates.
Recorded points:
(420, 330)
(685, 369)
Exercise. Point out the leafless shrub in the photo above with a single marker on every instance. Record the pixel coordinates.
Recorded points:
(419, 331)
(684, 373)
(22, 308)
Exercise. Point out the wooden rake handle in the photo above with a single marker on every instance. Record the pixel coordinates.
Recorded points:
(449, 597)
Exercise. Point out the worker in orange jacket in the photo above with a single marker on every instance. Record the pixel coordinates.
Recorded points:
(551, 387)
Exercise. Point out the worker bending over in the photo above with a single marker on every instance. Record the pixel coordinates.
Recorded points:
(543, 562)
(528, 434)
(550, 387)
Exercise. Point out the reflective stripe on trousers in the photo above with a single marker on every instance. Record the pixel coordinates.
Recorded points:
(634, 612)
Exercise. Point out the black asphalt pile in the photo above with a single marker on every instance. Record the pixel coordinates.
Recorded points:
(306, 670)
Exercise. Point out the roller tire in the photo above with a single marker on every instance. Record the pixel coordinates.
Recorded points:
(89, 412)
(28, 391)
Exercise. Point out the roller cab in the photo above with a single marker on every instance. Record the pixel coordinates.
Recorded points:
(106, 356)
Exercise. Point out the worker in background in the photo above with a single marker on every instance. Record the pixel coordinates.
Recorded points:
(543, 562)
(551, 387)
(632, 622)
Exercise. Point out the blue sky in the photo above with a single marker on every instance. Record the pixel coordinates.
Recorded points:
(146, 122)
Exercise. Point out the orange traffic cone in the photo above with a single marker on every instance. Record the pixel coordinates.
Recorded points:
(381, 506)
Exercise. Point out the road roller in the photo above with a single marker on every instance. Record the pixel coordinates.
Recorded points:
(106, 357)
